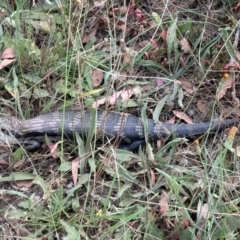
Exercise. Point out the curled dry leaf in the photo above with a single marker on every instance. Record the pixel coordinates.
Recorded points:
(121, 24)
(225, 84)
(3, 162)
(153, 177)
(186, 224)
(54, 149)
(236, 7)
(183, 116)
(75, 164)
(6, 62)
(164, 35)
(7, 57)
(187, 85)
(136, 11)
(19, 164)
(125, 94)
(139, 15)
(231, 65)
(97, 77)
(163, 203)
(202, 107)
(23, 185)
(7, 53)
(202, 211)
(185, 45)
(155, 44)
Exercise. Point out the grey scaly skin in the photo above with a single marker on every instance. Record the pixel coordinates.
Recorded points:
(128, 128)
(9, 128)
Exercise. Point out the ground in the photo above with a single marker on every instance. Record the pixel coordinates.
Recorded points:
(175, 61)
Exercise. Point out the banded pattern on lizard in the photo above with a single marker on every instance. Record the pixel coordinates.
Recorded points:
(128, 128)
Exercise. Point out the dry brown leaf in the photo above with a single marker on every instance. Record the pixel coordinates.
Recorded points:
(155, 44)
(3, 162)
(54, 149)
(225, 84)
(125, 94)
(8, 53)
(139, 14)
(75, 164)
(231, 65)
(23, 185)
(202, 107)
(164, 35)
(185, 45)
(97, 77)
(7, 57)
(236, 7)
(183, 116)
(163, 203)
(202, 210)
(187, 85)
(121, 24)
(6, 62)
(19, 164)
(153, 177)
